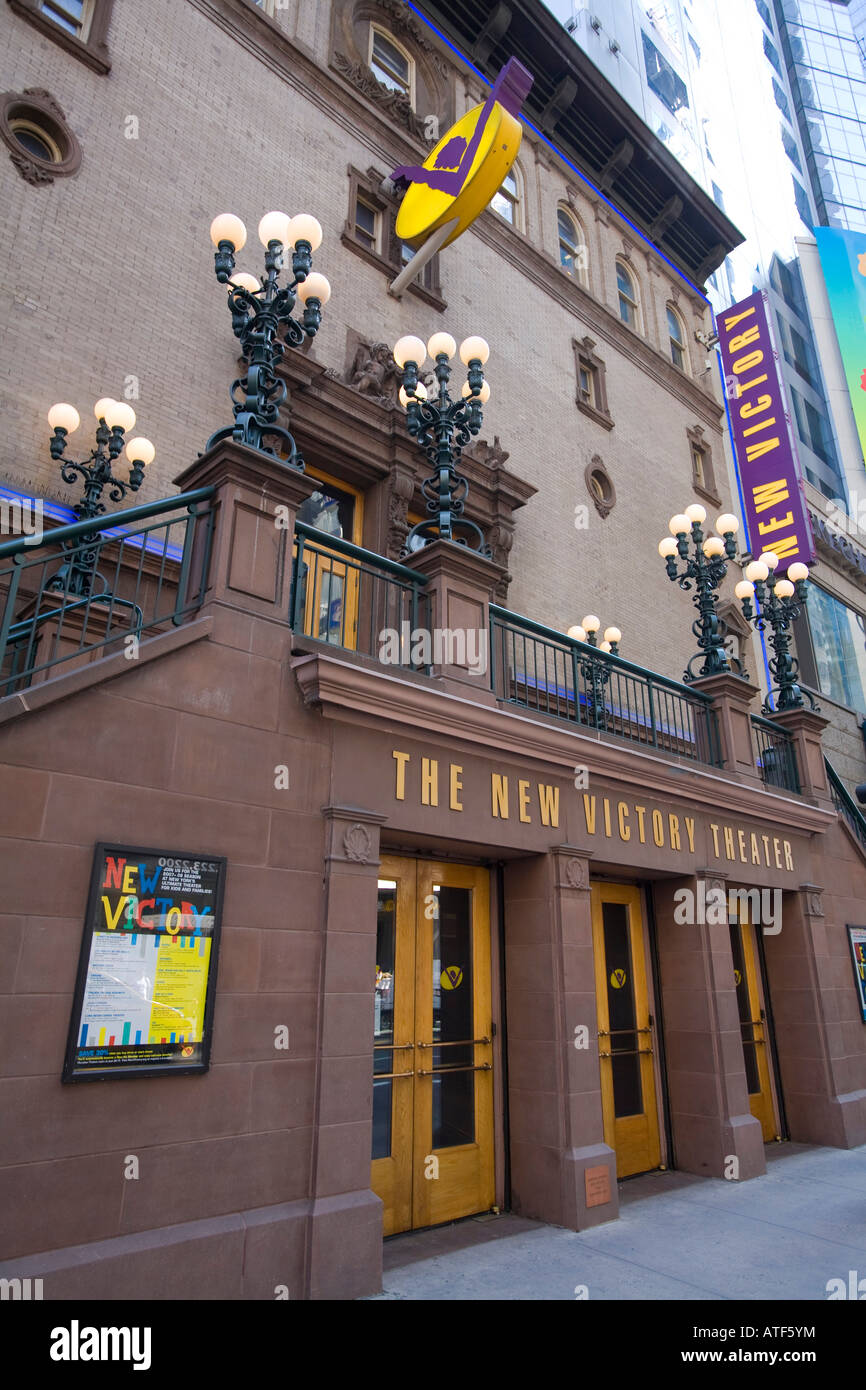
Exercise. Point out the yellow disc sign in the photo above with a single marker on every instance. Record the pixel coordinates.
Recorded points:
(461, 174)
(425, 209)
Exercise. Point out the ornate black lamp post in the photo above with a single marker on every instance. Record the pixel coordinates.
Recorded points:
(596, 674)
(443, 428)
(705, 570)
(114, 419)
(259, 311)
(780, 601)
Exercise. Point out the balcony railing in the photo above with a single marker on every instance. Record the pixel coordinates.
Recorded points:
(86, 588)
(846, 805)
(540, 669)
(354, 599)
(775, 755)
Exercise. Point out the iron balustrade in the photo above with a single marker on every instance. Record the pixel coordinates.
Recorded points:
(358, 601)
(540, 669)
(145, 570)
(775, 755)
(846, 805)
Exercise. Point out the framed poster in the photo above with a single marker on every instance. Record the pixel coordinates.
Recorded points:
(857, 942)
(144, 994)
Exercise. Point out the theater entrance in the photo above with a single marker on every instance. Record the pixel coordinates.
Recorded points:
(753, 1021)
(625, 1029)
(433, 1044)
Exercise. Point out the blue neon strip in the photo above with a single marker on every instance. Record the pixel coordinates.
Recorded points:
(65, 515)
(564, 157)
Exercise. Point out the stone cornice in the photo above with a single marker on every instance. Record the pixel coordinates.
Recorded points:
(361, 695)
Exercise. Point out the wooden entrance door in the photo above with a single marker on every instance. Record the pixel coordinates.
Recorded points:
(432, 1048)
(753, 1025)
(625, 1035)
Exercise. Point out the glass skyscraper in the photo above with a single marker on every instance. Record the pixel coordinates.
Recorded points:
(827, 71)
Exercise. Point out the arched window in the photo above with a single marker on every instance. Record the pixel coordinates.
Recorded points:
(629, 306)
(677, 336)
(572, 245)
(390, 64)
(507, 200)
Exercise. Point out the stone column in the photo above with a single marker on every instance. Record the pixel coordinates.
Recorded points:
(707, 1089)
(460, 590)
(345, 1250)
(806, 727)
(814, 1054)
(732, 705)
(561, 1169)
(257, 499)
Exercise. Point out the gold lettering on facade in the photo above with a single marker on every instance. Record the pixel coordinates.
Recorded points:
(523, 802)
(589, 813)
(639, 812)
(789, 858)
(756, 853)
(741, 841)
(690, 831)
(729, 842)
(766, 840)
(400, 759)
(499, 795)
(715, 830)
(658, 829)
(429, 782)
(622, 817)
(607, 830)
(456, 787)
(548, 804)
(777, 850)
(674, 827)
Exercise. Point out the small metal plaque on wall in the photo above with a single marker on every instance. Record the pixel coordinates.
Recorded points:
(144, 994)
(597, 1185)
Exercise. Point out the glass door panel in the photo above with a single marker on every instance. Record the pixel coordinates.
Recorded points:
(625, 1039)
(753, 1026)
(433, 1041)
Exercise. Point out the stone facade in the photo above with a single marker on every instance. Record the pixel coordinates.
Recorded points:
(258, 1173)
(103, 322)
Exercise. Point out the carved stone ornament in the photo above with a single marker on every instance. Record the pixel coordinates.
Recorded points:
(715, 885)
(374, 373)
(399, 497)
(814, 905)
(34, 173)
(397, 104)
(38, 107)
(576, 873)
(401, 22)
(357, 843)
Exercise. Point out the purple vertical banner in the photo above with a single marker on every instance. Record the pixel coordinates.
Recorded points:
(776, 513)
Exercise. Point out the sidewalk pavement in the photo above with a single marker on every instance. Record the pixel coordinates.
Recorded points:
(781, 1236)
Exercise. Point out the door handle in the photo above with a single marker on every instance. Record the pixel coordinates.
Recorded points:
(392, 1075)
(459, 1042)
(445, 1070)
(629, 1052)
(392, 1047)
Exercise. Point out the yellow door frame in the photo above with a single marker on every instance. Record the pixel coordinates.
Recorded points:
(330, 567)
(419, 1185)
(761, 1102)
(636, 1139)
